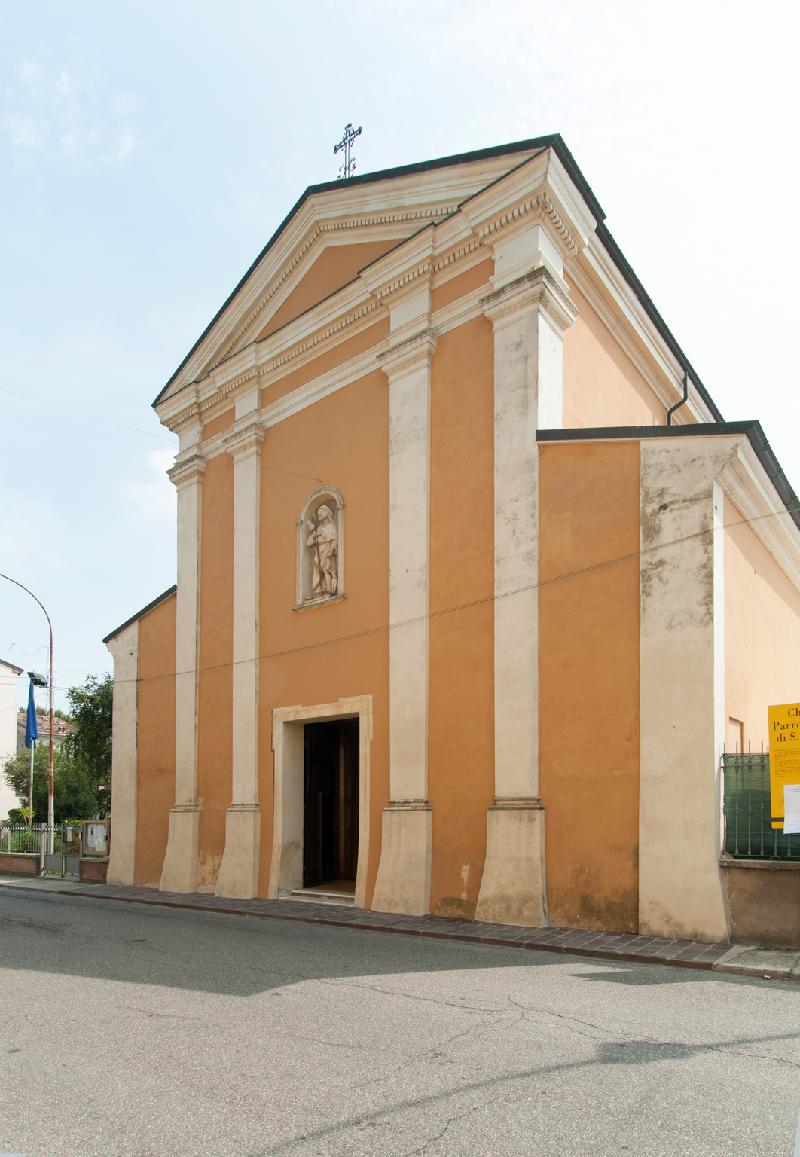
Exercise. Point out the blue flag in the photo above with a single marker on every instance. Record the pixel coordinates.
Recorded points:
(31, 726)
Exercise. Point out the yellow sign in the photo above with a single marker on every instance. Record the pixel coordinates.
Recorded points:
(784, 755)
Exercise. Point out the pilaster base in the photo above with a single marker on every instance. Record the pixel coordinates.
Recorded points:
(512, 888)
(121, 864)
(179, 873)
(404, 874)
(238, 872)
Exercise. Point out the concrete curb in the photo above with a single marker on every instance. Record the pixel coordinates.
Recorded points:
(739, 960)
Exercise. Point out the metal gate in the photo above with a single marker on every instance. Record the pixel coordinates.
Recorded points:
(58, 847)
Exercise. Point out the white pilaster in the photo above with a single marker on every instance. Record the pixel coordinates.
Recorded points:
(682, 697)
(404, 873)
(124, 648)
(179, 873)
(529, 315)
(238, 874)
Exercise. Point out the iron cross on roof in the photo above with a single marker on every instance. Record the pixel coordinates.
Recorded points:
(346, 143)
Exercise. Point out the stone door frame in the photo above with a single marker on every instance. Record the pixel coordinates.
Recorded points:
(288, 723)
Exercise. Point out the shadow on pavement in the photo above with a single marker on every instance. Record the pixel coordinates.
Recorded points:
(240, 956)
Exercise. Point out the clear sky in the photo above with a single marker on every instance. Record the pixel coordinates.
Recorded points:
(148, 150)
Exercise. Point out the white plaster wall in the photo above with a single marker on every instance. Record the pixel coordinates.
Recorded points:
(124, 721)
(9, 684)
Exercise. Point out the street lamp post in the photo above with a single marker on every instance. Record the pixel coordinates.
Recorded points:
(50, 776)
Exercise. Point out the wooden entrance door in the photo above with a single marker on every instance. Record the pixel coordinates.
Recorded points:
(330, 823)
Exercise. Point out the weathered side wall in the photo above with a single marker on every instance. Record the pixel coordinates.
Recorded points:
(589, 682)
(461, 640)
(328, 652)
(764, 902)
(215, 682)
(155, 792)
(602, 387)
(762, 631)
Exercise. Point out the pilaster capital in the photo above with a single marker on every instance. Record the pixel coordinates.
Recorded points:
(538, 290)
(410, 354)
(188, 470)
(245, 442)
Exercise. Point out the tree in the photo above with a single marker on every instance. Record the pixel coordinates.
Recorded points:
(74, 796)
(81, 767)
(88, 744)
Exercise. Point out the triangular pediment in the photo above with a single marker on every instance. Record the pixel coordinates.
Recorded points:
(332, 234)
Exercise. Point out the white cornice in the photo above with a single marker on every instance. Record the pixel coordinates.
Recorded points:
(538, 189)
(747, 484)
(269, 295)
(292, 403)
(345, 314)
(528, 189)
(409, 199)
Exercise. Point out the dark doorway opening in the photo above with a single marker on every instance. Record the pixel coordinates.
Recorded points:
(330, 802)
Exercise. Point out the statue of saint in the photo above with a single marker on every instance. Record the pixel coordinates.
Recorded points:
(323, 544)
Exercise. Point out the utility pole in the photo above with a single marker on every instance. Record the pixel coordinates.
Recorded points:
(32, 733)
(50, 776)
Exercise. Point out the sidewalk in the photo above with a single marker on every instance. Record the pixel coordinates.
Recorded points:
(746, 960)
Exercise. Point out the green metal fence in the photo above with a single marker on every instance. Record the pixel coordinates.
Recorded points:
(749, 834)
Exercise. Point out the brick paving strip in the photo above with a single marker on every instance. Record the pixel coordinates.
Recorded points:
(768, 963)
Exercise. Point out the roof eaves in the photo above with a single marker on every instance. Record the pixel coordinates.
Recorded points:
(751, 429)
(13, 666)
(140, 614)
(552, 140)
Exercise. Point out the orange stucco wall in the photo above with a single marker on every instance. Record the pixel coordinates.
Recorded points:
(589, 682)
(456, 287)
(155, 778)
(216, 425)
(762, 630)
(461, 635)
(335, 266)
(602, 387)
(326, 653)
(215, 683)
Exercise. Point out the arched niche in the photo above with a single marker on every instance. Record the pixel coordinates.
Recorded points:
(320, 548)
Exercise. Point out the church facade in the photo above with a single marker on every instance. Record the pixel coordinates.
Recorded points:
(474, 582)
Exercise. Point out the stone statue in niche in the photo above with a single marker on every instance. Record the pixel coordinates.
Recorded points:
(323, 542)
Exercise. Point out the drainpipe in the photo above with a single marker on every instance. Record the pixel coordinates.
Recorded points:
(683, 400)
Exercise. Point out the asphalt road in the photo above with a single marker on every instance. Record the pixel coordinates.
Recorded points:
(128, 1029)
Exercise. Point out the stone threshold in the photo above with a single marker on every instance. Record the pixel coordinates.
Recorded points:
(749, 960)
